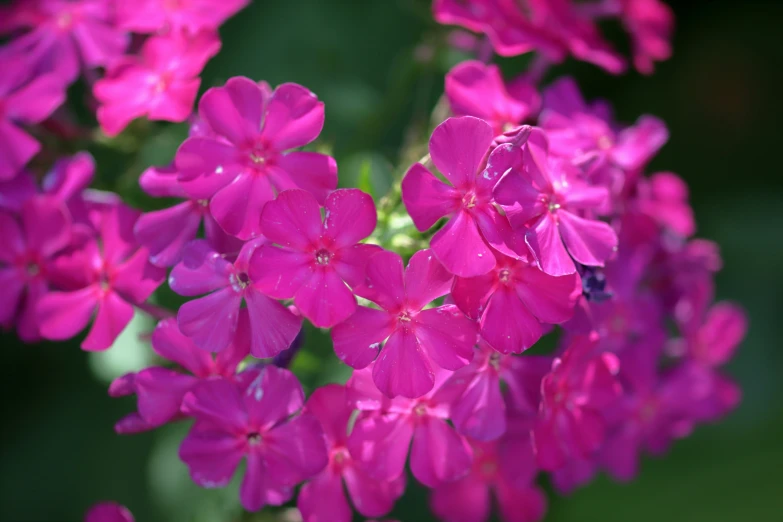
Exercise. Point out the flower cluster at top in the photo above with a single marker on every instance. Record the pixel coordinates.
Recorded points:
(539, 218)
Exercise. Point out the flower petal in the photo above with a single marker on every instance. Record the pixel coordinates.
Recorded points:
(272, 326)
(165, 232)
(211, 321)
(201, 270)
(589, 242)
(438, 453)
(278, 272)
(168, 342)
(447, 336)
(425, 279)
(426, 198)
(403, 368)
(507, 325)
(543, 239)
(323, 500)
(458, 147)
(357, 340)
(460, 247)
(311, 171)
(294, 117)
(236, 206)
(350, 217)
(234, 110)
(292, 220)
(64, 314)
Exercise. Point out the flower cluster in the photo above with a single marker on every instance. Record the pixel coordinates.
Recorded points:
(558, 28)
(538, 216)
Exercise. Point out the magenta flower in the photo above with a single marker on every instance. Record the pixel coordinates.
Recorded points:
(316, 263)
(653, 411)
(211, 321)
(581, 132)
(513, 300)
(323, 497)
(664, 197)
(388, 428)
(253, 130)
(415, 341)
(108, 512)
(510, 32)
(478, 406)
(458, 147)
(580, 386)
(23, 101)
(255, 419)
(105, 275)
(161, 16)
(547, 197)
(160, 390)
(504, 469)
(161, 83)
(475, 89)
(166, 232)
(29, 246)
(63, 35)
(650, 24)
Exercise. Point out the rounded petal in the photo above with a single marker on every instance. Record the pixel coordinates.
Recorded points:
(438, 453)
(271, 396)
(273, 327)
(168, 342)
(426, 198)
(461, 249)
(589, 242)
(426, 279)
(507, 325)
(403, 368)
(350, 217)
(311, 171)
(113, 316)
(294, 117)
(47, 225)
(371, 497)
(201, 270)
(292, 220)
(278, 272)
(212, 456)
(325, 299)
(323, 500)
(211, 321)
(234, 110)
(447, 336)
(165, 232)
(543, 239)
(385, 285)
(458, 147)
(358, 339)
(551, 299)
(236, 206)
(64, 314)
(464, 500)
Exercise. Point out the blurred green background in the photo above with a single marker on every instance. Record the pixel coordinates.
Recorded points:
(378, 66)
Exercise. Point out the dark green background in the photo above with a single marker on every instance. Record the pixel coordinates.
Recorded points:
(718, 96)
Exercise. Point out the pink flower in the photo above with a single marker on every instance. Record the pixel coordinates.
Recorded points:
(29, 246)
(582, 133)
(165, 232)
(580, 386)
(458, 147)
(23, 101)
(475, 89)
(478, 405)
(509, 30)
(211, 321)
(108, 273)
(664, 197)
(650, 24)
(161, 16)
(323, 497)
(255, 419)
(547, 197)
(108, 512)
(316, 263)
(415, 341)
(513, 300)
(387, 429)
(160, 390)
(63, 34)
(654, 410)
(247, 156)
(504, 469)
(161, 83)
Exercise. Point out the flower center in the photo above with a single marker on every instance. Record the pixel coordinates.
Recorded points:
(254, 438)
(323, 257)
(64, 20)
(553, 205)
(404, 316)
(489, 468)
(494, 360)
(604, 142)
(239, 281)
(33, 269)
(420, 410)
(469, 200)
(504, 275)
